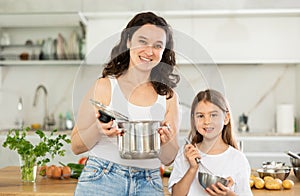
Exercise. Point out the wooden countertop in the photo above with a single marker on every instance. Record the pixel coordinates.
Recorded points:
(295, 191)
(11, 184)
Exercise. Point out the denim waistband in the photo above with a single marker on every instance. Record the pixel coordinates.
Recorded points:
(121, 169)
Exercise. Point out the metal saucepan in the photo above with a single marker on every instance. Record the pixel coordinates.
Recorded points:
(140, 139)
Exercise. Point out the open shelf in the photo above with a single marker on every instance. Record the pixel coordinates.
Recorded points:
(57, 19)
(41, 62)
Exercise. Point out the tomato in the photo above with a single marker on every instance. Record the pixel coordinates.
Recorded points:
(82, 160)
(66, 172)
(162, 170)
(49, 171)
(57, 172)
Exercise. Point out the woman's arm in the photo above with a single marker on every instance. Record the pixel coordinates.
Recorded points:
(169, 141)
(86, 132)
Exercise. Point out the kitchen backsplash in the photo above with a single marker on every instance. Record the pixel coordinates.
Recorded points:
(244, 86)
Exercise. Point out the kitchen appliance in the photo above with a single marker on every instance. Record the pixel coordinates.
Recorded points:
(139, 139)
(243, 126)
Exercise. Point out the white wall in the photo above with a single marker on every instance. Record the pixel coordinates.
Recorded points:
(23, 81)
(297, 96)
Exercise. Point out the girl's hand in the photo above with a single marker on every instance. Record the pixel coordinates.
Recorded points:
(108, 128)
(220, 189)
(191, 153)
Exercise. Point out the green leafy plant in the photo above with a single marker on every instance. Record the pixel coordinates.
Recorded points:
(31, 154)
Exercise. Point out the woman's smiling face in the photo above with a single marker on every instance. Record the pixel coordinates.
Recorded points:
(146, 47)
(210, 119)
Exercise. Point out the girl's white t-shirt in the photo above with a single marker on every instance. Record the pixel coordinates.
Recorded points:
(231, 163)
(107, 148)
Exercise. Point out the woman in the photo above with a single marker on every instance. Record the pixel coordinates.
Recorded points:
(137, 82)
(213, 143)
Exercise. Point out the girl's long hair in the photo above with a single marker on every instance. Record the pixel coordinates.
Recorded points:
(219, 100)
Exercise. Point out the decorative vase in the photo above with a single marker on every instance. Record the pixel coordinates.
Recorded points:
(28, 168)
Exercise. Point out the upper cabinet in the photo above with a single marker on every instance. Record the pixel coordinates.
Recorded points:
(37, 19)
(221, 37)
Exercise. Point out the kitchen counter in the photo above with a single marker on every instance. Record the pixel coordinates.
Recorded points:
(295, 191)
(11, 184)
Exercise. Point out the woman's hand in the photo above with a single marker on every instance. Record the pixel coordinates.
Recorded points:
(108, 128)
(191, 153)
(220, 189)
(165, 133)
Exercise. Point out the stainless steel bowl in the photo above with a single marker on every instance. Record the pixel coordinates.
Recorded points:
(140, 140)
(281, 173)
(297, 172)
(295, 162)
(272, 164)
(206, 180)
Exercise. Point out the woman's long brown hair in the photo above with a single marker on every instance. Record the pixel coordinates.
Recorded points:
(162, 77)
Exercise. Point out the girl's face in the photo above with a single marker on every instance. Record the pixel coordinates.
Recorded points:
(210, 119)
(146, 47)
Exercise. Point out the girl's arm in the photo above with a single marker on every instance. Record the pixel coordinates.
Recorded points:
(182, 187)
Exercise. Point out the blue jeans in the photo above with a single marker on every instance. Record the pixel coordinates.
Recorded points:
(105, 178)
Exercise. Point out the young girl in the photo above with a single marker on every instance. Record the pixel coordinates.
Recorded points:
(138, 82)
(212, 141)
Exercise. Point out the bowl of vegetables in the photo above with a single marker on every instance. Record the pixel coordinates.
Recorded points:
(281, 173)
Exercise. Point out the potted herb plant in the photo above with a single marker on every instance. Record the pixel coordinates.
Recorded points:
(33, 155)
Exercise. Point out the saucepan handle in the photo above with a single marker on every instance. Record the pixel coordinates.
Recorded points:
(105, 118)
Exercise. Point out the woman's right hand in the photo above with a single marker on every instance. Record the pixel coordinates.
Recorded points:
(108, 128)
(191, 153)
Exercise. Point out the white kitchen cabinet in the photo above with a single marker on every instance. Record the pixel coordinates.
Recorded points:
(229, 37)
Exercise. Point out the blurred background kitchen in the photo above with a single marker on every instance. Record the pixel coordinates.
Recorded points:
(48, 49)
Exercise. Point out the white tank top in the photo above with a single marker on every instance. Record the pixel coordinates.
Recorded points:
(107, 147)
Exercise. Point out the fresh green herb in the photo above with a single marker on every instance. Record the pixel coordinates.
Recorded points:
(30, 153)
